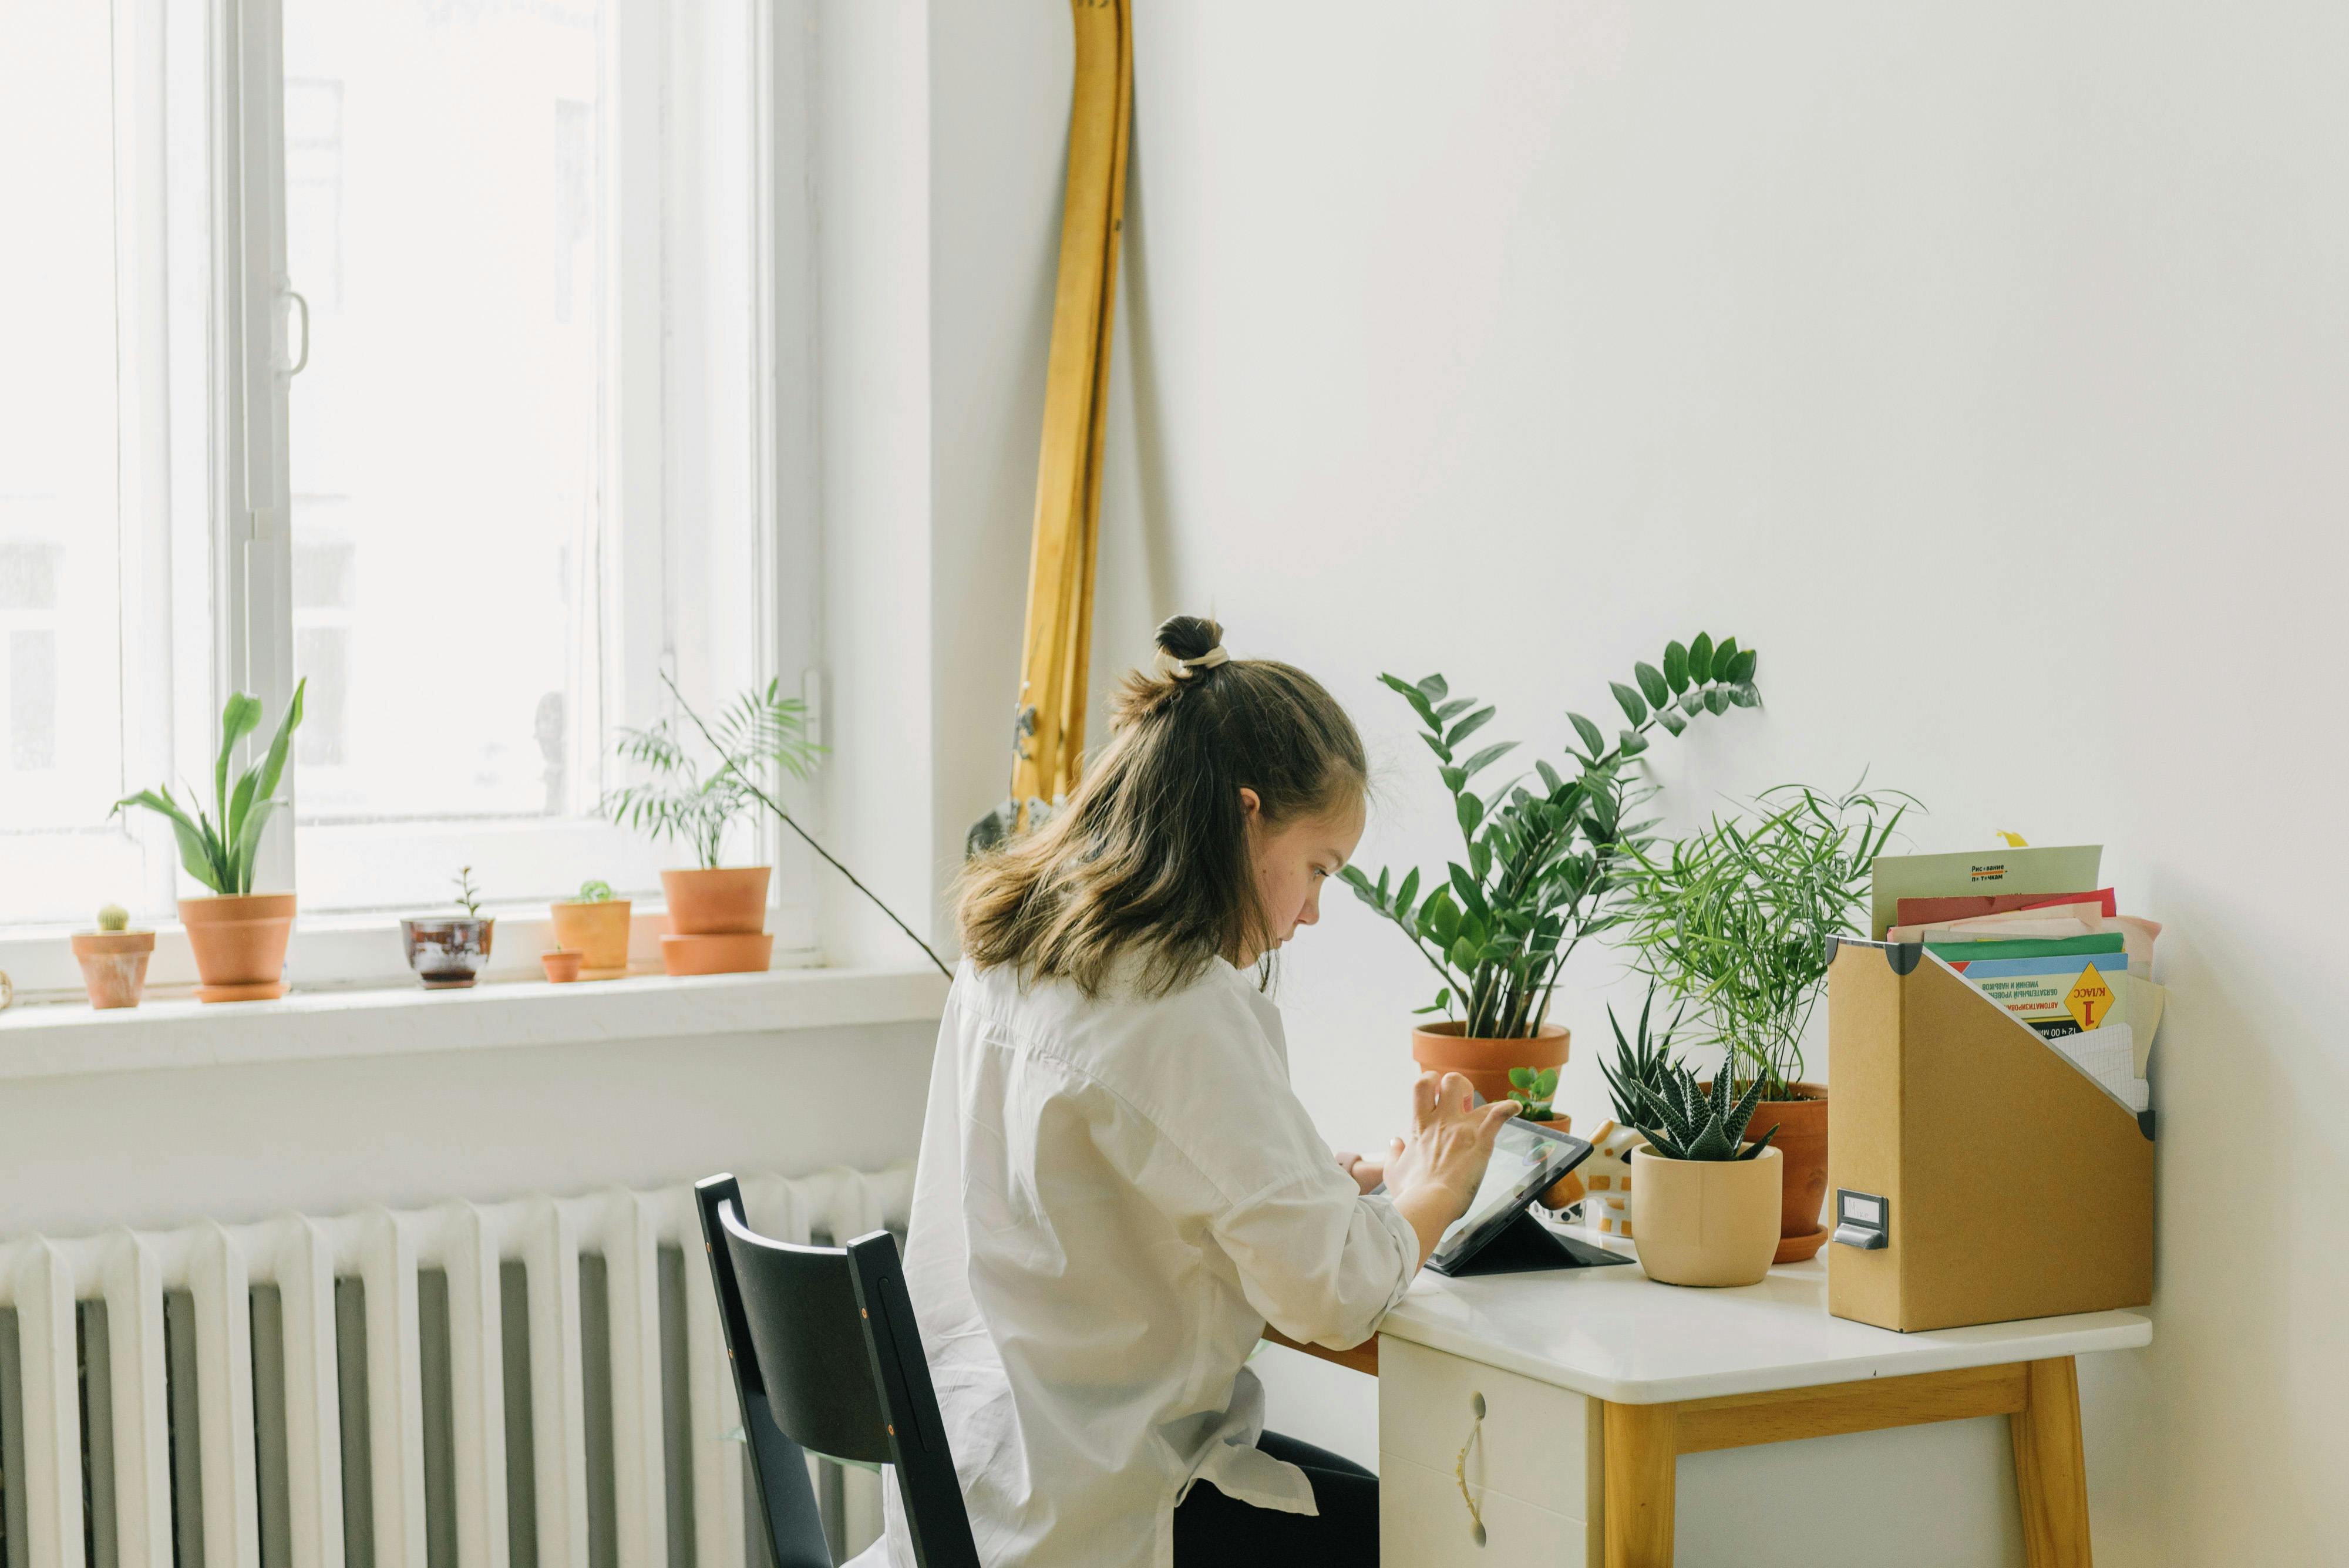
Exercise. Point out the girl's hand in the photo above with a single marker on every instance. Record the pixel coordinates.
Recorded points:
(1433, 1173)
(1367, 1173)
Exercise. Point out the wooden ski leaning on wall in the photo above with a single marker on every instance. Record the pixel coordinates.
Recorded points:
(1050, 727)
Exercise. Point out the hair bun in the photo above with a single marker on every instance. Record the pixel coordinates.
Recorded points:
(1189, 636)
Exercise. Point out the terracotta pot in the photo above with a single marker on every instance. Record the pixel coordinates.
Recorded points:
(732, 952)
(240, 945)
(1567, 1190)
(114, 965)
(562, 965)
(598, 932)
(724, 902)
(445, 952)
(1705, 1222)
(1801, 1125)
(1441, 1048)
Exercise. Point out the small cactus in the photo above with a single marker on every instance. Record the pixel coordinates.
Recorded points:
(114, 917)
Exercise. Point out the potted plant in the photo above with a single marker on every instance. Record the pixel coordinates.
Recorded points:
(1644, 1063)
(445, 952)
(1544, 860)
(561, 964)
(594, 925)
(113, 959)
(239, 936)
(717, 915)
(1704, 1200)
(1735, 923)
(1531, 1087)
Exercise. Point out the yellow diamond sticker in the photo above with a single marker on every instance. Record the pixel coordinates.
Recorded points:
(2091, 1000)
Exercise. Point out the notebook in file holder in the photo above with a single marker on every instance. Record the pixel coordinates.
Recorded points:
(1980, 1175)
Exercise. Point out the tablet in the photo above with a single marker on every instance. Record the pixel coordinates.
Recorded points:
(1526, 1159)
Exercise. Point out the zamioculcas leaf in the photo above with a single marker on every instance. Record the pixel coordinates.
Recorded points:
(1652, 683)
(1486, 758)
(1592, 741)
(1634, 706)
(1716, 699)
(1435, 689)
(1700, 657)
(1471, 810)
(1453, 709)
(1742, 668)
(1469, 726)
(1631, 743)
(1671, 721)
(1676, 670)
(1745, 695)
(1724, 654)
(1453, 777)
(1404, 894)
(1411, 693)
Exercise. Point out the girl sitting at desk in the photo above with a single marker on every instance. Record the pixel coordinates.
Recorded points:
(1118, 1188)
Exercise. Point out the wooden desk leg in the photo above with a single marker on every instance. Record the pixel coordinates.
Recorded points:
(1642, 1449)
(2051, 1475)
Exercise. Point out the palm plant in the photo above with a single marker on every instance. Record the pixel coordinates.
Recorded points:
(1546, 861)
(696, 799)
(221, 854)
(1735, 920)
(1685, 1121)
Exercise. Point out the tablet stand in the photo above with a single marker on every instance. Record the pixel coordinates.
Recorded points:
(1525, 1245)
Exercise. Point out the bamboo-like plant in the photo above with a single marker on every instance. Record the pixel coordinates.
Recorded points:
(1735, 920)
(1544, 866)
(694, 799)
(220, 854)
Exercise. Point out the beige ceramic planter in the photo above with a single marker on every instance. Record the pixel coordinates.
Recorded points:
(598, 932)
(1705, 1222)
(240, 945)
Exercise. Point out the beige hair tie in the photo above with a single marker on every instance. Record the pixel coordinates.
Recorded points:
(1176, 669)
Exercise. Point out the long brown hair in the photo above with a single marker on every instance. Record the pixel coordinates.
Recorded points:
(1149, 856)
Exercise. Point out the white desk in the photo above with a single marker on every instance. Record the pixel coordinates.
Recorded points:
(1496, 1393)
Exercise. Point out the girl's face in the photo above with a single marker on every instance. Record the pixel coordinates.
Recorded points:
(1292, 861)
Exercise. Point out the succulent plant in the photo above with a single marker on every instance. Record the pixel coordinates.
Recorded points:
(1685, 1122)
(114, 917)
(1532, 1090)
(1644, 1064)
(595, 892)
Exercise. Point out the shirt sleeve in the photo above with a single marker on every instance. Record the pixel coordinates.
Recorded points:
(1320, 1261)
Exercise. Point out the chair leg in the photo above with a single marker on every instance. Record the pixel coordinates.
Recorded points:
(2050, 1477)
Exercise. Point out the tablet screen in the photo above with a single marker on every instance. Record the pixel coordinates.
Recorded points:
(1526, 1160)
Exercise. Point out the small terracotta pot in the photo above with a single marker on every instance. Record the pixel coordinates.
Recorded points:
(599, 933)
(1567, 1190)
(114, 965)
(729, 901)
(1705, 1222)
(562, 965)
(734, 953)
(446, 951)
(240, 945)
(1485, 1062)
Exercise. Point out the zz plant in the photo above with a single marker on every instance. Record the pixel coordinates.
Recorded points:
(1545, 858)
(1685, 1122)
(219, 853)
(687, 797)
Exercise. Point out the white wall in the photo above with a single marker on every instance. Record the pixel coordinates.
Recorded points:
(1983, 366)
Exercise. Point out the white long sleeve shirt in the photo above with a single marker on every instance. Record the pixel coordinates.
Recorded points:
(1115, 1197)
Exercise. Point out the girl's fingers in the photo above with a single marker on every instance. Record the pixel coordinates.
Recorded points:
(1424, 1094)
(1459, 1090)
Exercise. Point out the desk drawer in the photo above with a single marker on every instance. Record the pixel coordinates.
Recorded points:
(1425, 1523)
(1535, 1442)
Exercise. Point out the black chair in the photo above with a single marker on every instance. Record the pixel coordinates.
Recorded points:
(828, 1361)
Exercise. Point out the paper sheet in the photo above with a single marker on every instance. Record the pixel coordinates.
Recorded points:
(2064, 869)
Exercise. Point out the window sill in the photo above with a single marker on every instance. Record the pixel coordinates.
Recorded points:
(63, 1040)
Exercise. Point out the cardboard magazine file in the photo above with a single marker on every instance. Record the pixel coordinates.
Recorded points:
(1978, 1175)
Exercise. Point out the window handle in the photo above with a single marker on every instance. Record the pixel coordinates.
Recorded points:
(303, 306)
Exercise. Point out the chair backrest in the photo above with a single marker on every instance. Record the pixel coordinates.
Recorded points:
(828, 1360)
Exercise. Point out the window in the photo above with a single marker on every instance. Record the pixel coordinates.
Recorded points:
(444, 399)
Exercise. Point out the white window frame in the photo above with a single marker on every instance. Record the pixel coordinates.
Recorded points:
(233, 484)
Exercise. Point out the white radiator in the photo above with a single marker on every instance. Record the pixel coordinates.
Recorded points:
(218, 1407)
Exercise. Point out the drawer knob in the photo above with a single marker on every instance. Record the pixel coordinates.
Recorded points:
(1459, 1467)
